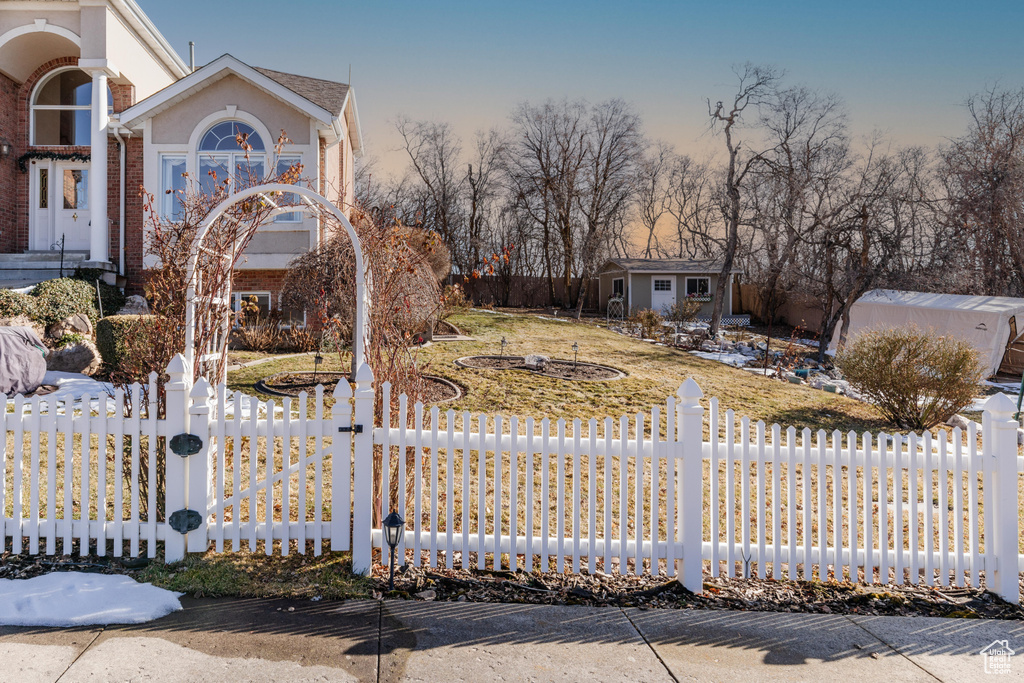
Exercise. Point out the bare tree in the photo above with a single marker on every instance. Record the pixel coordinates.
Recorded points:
(756, 84)
(483, 184)
(614, 145)
(694, 210)
(435, 152)
(983, 173)
(654, 193)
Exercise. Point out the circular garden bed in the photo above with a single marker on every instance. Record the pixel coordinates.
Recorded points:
(291, 384)
(559, 369)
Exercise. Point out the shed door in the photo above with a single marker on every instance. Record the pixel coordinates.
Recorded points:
(663, 292)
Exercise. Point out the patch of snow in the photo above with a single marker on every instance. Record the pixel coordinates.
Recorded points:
(1010, 387)
(75, 385)
(24, 290)
(79, 599)
(487, 310)
(759, 370)
(560, 320)
(736, 360)
(808, 342)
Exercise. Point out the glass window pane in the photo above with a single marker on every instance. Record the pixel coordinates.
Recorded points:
(171, 178)
(225, 137)
(44, 188)
(46, 127)
(217, 165)
(248, 172)
(284, 165)
(68, 88)
(75, 188)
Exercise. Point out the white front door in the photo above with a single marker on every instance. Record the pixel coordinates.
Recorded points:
(72, 206)
(663, 292)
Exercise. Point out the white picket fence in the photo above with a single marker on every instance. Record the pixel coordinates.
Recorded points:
(642, 493)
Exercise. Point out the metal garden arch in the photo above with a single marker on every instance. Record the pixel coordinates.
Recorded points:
(311, 201)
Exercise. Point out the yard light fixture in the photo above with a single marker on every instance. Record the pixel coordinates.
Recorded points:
(317, 360)
(504, 343)
(575, 352)
(393, 529)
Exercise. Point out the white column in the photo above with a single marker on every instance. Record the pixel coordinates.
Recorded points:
(99, 240)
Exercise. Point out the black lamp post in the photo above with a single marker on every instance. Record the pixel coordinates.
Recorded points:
(393, 528)
(317, 360)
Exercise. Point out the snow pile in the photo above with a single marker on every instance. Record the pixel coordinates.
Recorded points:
(74, 385)
(79, 599)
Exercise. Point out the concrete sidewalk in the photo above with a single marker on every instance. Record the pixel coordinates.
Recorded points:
(281, 640)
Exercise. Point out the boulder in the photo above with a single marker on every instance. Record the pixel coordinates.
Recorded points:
(73, 324)
(82, 357)
(134, 305)
(535, 361)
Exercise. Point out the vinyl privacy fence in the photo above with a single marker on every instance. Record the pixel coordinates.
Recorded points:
(647, 492)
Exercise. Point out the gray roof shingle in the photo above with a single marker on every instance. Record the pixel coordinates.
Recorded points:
(329, 95)
(669, 265)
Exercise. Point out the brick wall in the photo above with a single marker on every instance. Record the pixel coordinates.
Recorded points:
(14, 185)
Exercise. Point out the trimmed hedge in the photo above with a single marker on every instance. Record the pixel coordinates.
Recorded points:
(57, 299)
(113, 333)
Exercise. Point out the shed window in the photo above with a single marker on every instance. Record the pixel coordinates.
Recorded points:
(698, 286)
(662, 285)
(618, 287)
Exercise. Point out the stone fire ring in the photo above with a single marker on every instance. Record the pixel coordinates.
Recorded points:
(461, 362)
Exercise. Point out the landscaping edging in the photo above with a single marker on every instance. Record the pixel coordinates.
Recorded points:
(621, 374)
(262, 386)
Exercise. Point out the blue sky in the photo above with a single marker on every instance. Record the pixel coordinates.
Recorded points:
(903, 68)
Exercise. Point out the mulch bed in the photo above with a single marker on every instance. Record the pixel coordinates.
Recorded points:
(647, 592)
(294, 383)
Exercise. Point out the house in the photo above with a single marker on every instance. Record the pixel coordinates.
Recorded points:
(658, 283)
(95, 104)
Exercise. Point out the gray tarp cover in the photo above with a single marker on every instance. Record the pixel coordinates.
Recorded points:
(22, 363)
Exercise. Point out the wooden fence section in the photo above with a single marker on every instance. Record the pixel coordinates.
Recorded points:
(637, 493)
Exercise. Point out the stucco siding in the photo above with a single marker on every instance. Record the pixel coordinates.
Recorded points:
(175, 125)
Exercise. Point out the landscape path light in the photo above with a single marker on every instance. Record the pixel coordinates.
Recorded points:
(504, 343)
(393, 528)
(575, 353)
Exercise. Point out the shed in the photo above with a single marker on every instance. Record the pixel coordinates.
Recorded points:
(991, 324)
(656, 283)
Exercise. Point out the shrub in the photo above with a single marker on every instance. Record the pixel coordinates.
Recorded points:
(914, 377)
(15, 304)
(453, 302)
(60, 298)
(684, 311)
(300, 339)
(648, 321)
(69, 339)
(257, 331)
(117, 335)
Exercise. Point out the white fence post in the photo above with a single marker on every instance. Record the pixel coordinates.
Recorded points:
(199, 479)
(177, 420)
(1001, 466)
(362, 502)
(690, 488)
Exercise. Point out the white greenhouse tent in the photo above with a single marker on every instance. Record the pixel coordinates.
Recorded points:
(994, 325)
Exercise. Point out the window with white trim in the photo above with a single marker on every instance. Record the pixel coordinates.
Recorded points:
(261, 300)
(698, 286)
(662, 285)
(61, 109)
(223, 153)
(173, 185)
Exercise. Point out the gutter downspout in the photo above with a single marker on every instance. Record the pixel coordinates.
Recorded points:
(120, 224)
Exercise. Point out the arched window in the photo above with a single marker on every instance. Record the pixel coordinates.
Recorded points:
(62, 109)
(231, 149)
